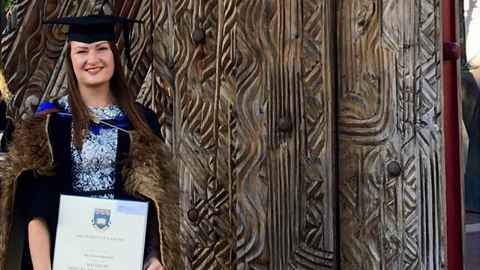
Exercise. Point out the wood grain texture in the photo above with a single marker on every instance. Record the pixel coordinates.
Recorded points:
(318, 239)
(390, 135)
(258, 100)
(252, 251)
(202, 120)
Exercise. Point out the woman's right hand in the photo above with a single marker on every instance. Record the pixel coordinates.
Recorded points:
(39, 243)
(153, 264)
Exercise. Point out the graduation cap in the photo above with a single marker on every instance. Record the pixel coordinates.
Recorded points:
(93, 28)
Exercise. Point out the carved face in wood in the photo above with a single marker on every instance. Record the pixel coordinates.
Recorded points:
(93, 63)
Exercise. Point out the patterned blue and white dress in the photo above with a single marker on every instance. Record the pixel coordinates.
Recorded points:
(93, 167)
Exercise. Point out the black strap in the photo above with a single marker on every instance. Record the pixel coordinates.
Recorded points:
(95, 192)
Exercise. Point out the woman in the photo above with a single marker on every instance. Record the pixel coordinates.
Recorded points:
(95, 142)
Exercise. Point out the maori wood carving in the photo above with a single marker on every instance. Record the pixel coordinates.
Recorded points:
(390, 135)
(257, 196)
(245, 91)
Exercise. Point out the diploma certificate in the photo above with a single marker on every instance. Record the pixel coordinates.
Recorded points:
(100, 234)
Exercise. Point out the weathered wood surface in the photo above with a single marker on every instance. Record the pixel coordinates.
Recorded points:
(246, 93)
(390, 140)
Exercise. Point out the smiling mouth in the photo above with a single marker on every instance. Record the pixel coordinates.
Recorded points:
(93, 70)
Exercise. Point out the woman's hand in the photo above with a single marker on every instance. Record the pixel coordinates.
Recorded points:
(39, 243)
(153, 264)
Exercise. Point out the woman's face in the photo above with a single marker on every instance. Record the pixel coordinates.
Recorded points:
(92, 63)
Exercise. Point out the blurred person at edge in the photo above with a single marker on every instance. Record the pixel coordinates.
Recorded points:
(4, 120)
(3, 113)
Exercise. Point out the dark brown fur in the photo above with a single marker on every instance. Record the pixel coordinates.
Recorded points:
(149, 172)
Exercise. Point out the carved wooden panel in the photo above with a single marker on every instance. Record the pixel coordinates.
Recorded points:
(391, 194)
(203, 131)
(246, 94)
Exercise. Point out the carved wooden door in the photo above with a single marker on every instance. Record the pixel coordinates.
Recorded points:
(390, 135)
(254, 130)
(276, 111)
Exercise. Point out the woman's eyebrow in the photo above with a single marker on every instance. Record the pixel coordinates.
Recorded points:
(80, 48)
(101, 43)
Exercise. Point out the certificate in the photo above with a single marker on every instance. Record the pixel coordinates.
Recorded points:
(100, 234)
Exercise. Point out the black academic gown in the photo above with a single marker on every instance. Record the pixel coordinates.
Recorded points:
(40, 198)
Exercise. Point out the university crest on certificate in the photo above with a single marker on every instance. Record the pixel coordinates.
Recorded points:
(100, 234)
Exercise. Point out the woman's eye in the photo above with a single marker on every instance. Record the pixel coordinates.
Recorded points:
(103, 48)
(82, 52)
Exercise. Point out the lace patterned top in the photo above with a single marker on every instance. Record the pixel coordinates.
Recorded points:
(93, 167)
